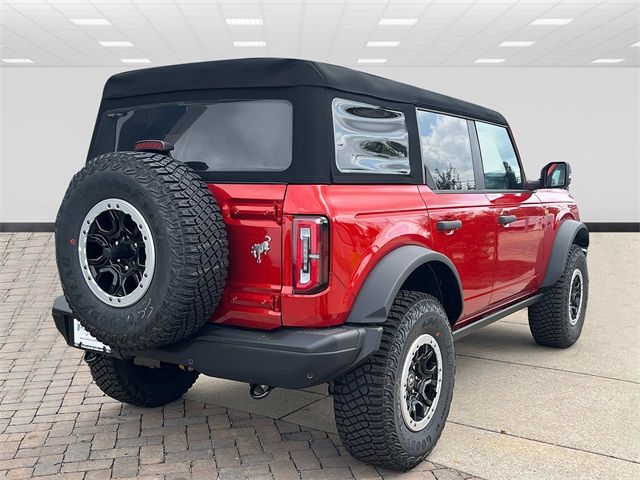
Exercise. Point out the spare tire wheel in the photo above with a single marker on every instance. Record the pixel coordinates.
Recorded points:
(141, 248)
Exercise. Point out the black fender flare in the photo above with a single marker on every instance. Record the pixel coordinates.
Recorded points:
(383, 283)
(566, 236)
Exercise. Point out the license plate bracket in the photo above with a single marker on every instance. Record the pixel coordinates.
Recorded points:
(83, 339)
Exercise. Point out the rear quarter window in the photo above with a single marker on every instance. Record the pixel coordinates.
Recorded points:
(230, 136)
(369, 139)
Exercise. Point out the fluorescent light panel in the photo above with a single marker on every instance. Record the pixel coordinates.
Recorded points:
(608, 60)
(552, 21)
(383, 44)
(135, 60)
(90, 21)
(637, 44)
(490, 60)
(372, 60)
(398, 21)
(250, 44)
(516, 44)
(119, 43)
(17, 60)
(245, 21)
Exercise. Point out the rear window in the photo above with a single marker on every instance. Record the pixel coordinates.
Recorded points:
(236, 136)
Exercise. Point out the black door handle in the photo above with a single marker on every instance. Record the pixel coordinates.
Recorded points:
(448, 225)
(506, 219)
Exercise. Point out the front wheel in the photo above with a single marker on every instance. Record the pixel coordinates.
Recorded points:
(391, 410)
(139, 385)
(556, 320)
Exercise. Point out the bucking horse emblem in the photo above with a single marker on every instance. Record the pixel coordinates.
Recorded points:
(259, 249)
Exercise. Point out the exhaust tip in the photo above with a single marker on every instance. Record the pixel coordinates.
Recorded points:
(258, 392)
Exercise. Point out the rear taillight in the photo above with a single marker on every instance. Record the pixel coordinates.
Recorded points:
(310, 254)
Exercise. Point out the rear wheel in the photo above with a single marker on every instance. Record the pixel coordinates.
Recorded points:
(391, 410)
(557, 319)
(139, 385)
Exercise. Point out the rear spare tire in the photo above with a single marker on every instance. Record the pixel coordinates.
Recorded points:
(141, 249)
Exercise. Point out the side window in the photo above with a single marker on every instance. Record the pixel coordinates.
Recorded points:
(446, 150)
(499, 161)
(370, 139)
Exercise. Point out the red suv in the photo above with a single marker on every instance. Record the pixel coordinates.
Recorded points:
(288, 223)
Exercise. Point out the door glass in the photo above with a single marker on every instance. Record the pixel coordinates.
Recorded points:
(499, 161)
(446, 150)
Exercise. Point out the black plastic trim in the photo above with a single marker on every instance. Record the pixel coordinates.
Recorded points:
(495, 316)
(385, 280)
(286, 357)
(566, 234)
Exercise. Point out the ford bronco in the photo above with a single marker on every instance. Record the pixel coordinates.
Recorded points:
(289, 223)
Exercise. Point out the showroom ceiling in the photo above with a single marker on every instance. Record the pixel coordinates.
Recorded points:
(348, 32)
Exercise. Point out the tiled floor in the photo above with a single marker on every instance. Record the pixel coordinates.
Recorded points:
(55, 422)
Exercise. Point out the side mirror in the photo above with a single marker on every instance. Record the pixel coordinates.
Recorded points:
(556, 175)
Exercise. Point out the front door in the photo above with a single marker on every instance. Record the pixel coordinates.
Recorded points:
(518, 213)
(520, 231)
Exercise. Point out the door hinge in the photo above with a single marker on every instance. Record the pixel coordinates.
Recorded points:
(278, 209)
(276, 303)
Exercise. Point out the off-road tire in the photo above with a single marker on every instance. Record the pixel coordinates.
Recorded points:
(137, 385)
(190, 241)
(549, 318)
(367, 399)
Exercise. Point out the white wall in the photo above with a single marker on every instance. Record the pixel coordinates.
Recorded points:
(587, 116)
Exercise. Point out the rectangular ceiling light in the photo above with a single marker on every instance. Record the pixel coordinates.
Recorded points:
(17, 60)
(608, 60)
(245, 21)
(372, 60)
(398, 21)
(382, 44)
(250, 44)
(517, 44)
(90, 21)
(552, 21)
(135, 60)
(637, 44)
(122, 43)
(490, 60)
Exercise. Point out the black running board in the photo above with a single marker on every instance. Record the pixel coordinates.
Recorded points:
(495, 316)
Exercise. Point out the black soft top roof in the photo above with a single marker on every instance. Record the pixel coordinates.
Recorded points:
(283, 72)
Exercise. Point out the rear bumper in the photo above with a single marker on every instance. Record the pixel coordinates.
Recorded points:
(287, 357)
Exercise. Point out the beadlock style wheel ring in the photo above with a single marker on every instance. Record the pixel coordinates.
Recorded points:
(576, 294)
(421, 382)
(116, 252)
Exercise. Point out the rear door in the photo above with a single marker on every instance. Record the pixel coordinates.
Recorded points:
(520, 220)
(462, 219)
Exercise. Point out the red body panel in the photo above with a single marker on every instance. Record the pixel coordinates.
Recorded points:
(251, 295)
(496, 264)
(472, 248)
(518, 244)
